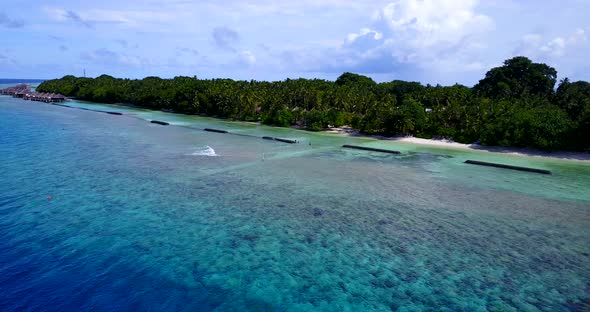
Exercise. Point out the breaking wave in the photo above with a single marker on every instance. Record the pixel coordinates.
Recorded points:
(205, 151)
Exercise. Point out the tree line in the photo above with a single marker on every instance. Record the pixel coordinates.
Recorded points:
(516, 104)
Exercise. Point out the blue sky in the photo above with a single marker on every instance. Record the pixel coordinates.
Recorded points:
(444, 41)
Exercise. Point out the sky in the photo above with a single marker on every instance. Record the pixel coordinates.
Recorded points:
(431, 41)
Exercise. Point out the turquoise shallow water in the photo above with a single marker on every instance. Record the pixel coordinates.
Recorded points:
(144, 217)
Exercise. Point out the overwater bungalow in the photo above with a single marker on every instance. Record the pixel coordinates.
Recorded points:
(16, 91)
(24, 91)
(44, 97)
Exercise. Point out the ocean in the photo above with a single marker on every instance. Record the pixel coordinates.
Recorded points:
(101, 212)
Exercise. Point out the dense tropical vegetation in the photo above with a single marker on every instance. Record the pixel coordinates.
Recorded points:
(516, 104)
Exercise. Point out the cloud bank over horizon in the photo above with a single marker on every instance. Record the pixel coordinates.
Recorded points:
(431, 41)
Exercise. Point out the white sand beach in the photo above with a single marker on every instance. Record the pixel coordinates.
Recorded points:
(444, 143)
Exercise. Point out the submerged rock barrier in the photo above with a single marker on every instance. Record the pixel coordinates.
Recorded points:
(87, 109)
(96, 110)
(371, 149)
(286, 140)
(163, 123)
(215, 130)
(280, 140)
(503, 166)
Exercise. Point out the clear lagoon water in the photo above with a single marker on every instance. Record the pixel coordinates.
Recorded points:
(112, 213)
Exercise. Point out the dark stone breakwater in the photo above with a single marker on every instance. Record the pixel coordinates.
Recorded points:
(503, 166)
(280, 140)
(215, 130)
(371, 149)
(162, 123)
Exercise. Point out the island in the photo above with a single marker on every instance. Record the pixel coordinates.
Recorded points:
(519, 104)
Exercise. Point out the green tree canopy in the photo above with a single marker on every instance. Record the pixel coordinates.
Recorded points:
(573, 97)
(355, 79)
(517, 78)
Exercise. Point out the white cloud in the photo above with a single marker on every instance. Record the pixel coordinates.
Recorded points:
(364, 32)
(89, 17)
(247, 58)
(187, 51)
(535, 45)
(437, 35)
(108, 57)
(56, 14)
(132, 18)
(424, 31)
(529, 40)
(429, 40)
(273, 7)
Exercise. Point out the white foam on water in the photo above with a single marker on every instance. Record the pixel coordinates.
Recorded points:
(205, 151)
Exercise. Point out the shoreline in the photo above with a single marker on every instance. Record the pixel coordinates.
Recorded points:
(444, 143)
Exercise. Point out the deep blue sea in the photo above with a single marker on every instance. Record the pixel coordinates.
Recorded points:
(101, 212)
